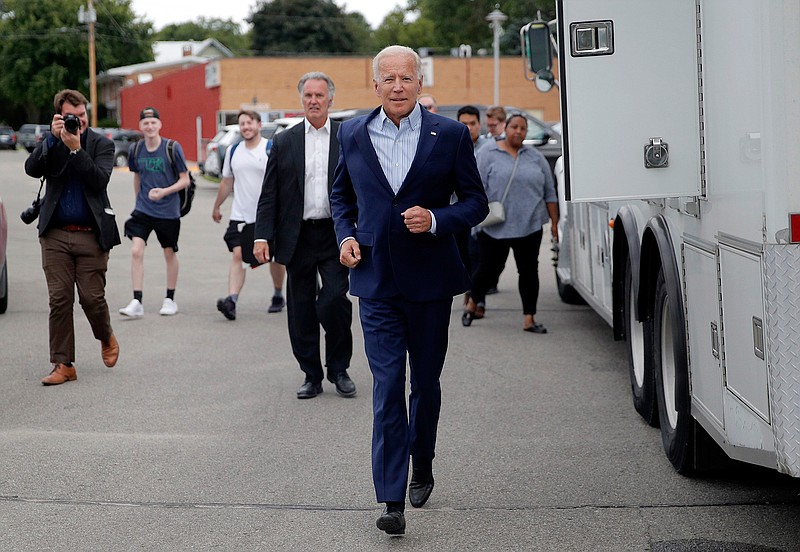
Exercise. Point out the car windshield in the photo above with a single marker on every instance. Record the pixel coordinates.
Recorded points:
(537, 131)
(229, 137)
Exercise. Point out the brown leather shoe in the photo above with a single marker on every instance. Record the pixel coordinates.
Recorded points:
(110, 351)
(61, 374)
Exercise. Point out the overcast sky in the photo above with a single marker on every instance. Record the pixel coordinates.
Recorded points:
(164, 12)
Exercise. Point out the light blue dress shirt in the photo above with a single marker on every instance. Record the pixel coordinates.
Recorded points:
(396, 147)
(530, 192)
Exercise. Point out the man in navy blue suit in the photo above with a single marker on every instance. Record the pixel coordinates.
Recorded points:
(398, 168)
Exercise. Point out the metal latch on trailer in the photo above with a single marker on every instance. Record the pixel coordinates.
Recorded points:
(656, 154)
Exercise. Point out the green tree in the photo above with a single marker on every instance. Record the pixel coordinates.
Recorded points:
(395, 30)
(226, 31)
(363, 36)
(43, 49)
(445, 24)
(306, 26)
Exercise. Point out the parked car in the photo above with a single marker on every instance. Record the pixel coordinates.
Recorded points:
(540, 135)
(122, 138)
(3, 262)
(31, 134)
(8, 138)
(229, 135)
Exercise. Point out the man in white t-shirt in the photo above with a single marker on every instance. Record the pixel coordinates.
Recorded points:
(243, 175)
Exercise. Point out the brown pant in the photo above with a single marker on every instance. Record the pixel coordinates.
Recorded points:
(72, 259)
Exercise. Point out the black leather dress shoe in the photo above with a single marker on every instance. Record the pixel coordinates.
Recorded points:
(309, 390)
(392, 521)
(421, 486)
(344, 385)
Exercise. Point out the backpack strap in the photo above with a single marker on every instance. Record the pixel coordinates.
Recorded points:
(137, 149)
(171, 154)
(236, 145)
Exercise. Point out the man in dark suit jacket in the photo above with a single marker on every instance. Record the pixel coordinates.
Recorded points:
(77, 229)
(397, 170)
(293, 221)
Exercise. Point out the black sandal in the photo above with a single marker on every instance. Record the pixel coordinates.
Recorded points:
(536, 328)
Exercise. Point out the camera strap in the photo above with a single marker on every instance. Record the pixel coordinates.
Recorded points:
(39, 193)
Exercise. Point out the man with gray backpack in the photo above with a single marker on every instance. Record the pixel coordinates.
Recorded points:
(160, 172)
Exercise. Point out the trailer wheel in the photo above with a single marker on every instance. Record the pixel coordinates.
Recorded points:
(567, 293)
(639, 336)
(672, 380)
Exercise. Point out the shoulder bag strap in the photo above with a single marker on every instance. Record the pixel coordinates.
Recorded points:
(513, 172)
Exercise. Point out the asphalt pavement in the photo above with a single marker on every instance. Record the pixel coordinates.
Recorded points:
(195, 440)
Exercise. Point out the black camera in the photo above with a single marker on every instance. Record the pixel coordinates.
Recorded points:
(31, 213)
(72, 123)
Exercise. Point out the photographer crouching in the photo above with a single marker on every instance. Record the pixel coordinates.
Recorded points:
(76, 229)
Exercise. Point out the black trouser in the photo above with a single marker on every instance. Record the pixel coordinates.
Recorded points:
(309, 306)
(493, 255)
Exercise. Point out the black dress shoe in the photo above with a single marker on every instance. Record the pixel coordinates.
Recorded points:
(309, 390)
(392, 520)
(421, 486)
(344, 385)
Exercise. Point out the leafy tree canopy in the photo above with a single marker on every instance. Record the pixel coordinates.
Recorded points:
(307, 26)
(44, 48)
(445, 24)
(226, 31)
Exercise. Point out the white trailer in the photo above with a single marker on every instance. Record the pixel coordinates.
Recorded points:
(681, 125)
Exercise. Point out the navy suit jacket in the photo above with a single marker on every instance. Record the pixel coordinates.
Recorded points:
(394, 261)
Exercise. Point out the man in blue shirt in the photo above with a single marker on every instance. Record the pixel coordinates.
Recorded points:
(76, 230)
(158, 175)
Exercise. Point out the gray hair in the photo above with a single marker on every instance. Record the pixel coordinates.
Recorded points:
(316, 75)
(396, 50)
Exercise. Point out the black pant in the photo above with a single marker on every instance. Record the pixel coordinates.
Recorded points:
(308, 305)
(493, 255)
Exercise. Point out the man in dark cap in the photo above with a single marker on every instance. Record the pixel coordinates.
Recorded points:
(160, 172)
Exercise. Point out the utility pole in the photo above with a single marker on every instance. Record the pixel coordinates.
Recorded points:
(90, 16)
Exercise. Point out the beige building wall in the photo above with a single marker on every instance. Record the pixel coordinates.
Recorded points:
(273, 81)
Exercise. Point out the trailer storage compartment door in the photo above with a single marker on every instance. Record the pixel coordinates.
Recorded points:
(630, 98)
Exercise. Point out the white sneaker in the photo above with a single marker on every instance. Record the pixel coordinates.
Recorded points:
(168, 307)
(134, 309)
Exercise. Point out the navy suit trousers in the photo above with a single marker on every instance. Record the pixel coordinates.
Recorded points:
(396, 329)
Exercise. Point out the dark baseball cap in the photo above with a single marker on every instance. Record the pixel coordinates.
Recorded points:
(149, 112)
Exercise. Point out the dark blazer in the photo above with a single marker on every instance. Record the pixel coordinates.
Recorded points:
(420, 267)
(93, 167)
(280, 207)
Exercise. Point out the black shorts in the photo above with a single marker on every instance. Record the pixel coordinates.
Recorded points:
(167, 230)
(233, 237)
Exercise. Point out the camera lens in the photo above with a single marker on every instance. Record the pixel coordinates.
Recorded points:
(72, 123)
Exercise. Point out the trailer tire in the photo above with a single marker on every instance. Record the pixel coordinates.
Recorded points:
(567, 293)
(672, 379)
(639, 338)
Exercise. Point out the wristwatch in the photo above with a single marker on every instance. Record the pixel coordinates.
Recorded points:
(73, 152)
